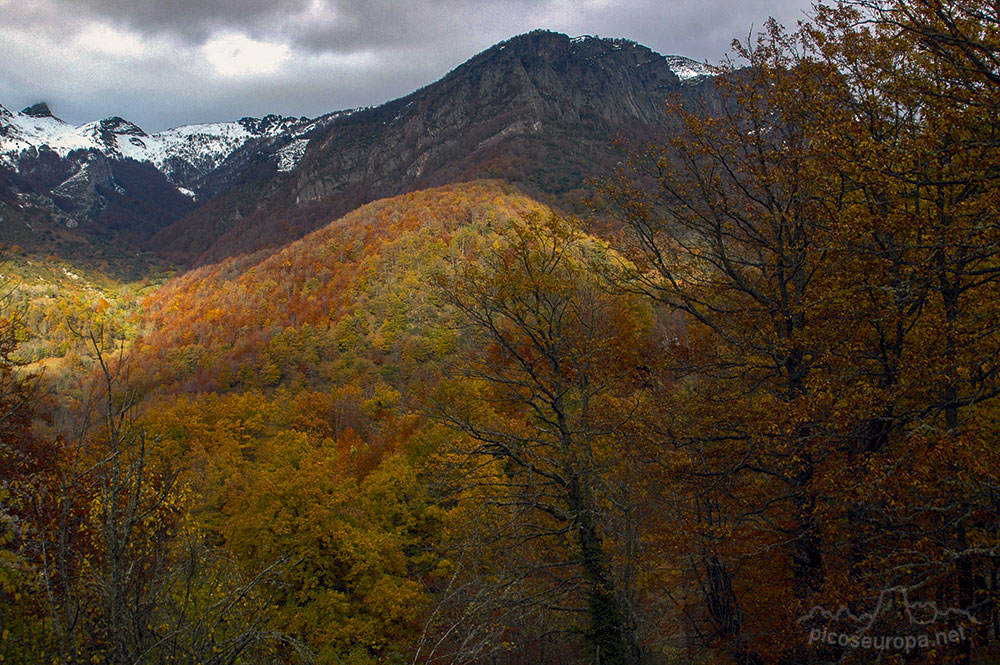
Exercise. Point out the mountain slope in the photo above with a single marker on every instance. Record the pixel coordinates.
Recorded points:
(348, 300)
(111, 176)
(540, 110)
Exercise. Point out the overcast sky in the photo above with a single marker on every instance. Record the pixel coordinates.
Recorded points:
(163, 63)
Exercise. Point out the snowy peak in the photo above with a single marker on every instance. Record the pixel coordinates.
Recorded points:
(108, 135)
(206, 146)
(113, 173)
(183, 154)
(117, 126)
(39, 110)
(21, 132)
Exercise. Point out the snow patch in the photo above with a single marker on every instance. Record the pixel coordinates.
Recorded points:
(81, 176)
(687, 69)
(291, 154)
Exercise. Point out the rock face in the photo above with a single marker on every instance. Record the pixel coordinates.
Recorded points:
(81, 192)
(39, 110)
(540, 110)
(537, 88)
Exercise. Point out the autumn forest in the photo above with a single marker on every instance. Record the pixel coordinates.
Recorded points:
(736, 401)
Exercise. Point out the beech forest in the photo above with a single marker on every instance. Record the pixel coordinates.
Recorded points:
(744, 409)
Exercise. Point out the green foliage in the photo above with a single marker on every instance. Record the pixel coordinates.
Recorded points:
(781, 392)
(328, 309)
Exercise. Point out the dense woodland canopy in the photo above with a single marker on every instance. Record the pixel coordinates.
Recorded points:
(747, 414)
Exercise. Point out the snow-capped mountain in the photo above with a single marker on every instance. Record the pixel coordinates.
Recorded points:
(542, 110)
(182, 154)
(114, 176)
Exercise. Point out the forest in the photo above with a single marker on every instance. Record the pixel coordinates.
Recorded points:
(745, 412)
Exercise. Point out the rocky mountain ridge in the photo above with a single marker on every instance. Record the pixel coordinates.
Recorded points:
(183, 154)
(540, 110)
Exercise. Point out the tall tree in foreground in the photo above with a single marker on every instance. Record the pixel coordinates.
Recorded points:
(735, 232)
(831, 236)
(25, 460)
(925, 154)
(552, 380)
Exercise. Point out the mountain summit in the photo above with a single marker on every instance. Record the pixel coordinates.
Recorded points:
(39, 110)
(540, 110)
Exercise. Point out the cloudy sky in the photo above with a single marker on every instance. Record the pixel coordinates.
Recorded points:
(163, 63)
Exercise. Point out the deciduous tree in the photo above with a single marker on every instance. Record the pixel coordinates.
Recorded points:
(553, 375)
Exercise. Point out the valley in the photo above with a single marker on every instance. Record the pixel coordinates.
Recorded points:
(578, 354)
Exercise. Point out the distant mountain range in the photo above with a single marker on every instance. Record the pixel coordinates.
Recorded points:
(540, 110)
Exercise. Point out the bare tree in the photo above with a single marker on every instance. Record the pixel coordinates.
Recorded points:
(554, 375)
(124, 578)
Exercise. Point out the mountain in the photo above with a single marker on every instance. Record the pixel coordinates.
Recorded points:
(111, 175)
(183, 154)
(540, 110)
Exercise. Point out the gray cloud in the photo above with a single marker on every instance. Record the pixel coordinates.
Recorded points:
(317, 25)
(340, 53)
(191, 19)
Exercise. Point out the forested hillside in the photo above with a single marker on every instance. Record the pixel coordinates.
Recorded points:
(745, 411)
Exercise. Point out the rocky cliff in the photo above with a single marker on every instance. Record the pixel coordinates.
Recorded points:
(540, 110)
